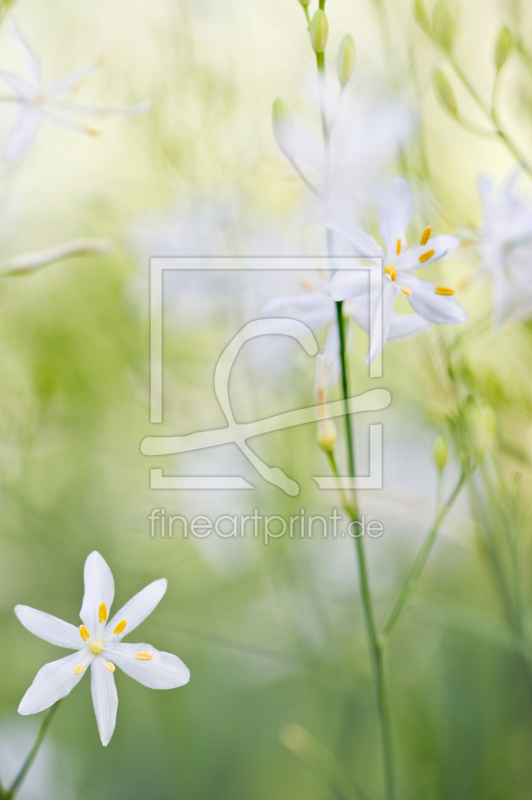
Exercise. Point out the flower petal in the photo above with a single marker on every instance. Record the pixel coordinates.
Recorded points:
(438, 246)
(162, 671)
(23, 89)
(315, 309)
(104, 698)
(405, 325)
(395, 212)
(434, 307)
(69, 82)
(348, 283)
(102, 111)
(23, 132)
(362, 243)
(99, 588)
(50, 628)
(32, 62)
(381, 319)
(138, 608)
(54, 681)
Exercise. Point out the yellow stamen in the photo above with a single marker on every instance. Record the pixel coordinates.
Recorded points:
(143, 656)
(426, 256)
(110, 666)
(391, 271)
(406, 290)
(85, 635)
(425, 236)
(78, 669)
(306, 284)
(398, 248)
(120, 627)
(97, 646)
(444, 290)
(102, 612)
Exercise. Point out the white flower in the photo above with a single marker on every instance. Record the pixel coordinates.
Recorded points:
(39, 102)
(431, 303)
(506, 247)
(98, 643)
(317, 309)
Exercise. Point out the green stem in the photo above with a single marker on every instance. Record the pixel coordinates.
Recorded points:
(417, 568)
(8, 794)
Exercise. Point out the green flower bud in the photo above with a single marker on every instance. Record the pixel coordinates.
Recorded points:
(440, 452)
(503, 47)
(345, 61)
(304, 3)
(445, 92)
(421, 16)
(283, 127)
(319, 32)
(443, 25)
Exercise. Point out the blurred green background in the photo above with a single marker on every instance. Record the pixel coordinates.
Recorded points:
(272, 634)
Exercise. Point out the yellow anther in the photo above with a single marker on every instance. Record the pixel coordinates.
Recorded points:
(143, 656)
(398, 248)
(102, 612)
(444, 290)
(425, 236)
(306, 284)
(97, 646)
(78, 669)
(110, 666)
(120, 627)
(85, 635)
(426, 256)
(391, 271)
(406, 290)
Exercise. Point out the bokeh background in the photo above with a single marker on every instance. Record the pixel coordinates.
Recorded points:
(273, 634)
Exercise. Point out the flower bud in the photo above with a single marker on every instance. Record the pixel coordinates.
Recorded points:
(319, 32)
(440, 452)
(283, 127)
(503, 47)
(326, 435)
(443, 25)
(445, 92)
(421, 16)
(304, 3)
(345, 61)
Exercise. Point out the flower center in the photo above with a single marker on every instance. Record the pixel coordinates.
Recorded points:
(97, 646)
(391, 270)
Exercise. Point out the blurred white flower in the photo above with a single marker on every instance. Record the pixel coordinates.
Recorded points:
(431, 303)
(39, 102)
(98, 643)
(505, 247)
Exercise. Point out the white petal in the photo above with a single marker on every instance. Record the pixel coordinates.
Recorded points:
(405, 325)
(485, 187)
(32, 62)
(434, 307)
(348, 283)
(138, 608)
(23, 132)
(395, 212)
(164, 671)
(362, 243)
(441, 245)
(23, 89)
(102, 111)
(68, 82)
(315, 309)
(54, 681)
(104, 698)
(69, 124)
(99, 588)
(50, 628)
(381, 319)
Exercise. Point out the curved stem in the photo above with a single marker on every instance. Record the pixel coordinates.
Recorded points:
(8, 794)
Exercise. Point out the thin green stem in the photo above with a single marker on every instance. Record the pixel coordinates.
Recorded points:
(421, 559)
(8, 794)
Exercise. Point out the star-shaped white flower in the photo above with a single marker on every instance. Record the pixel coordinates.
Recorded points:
(505, 247)
(98, 644)
(431, 303)
(39, 101)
